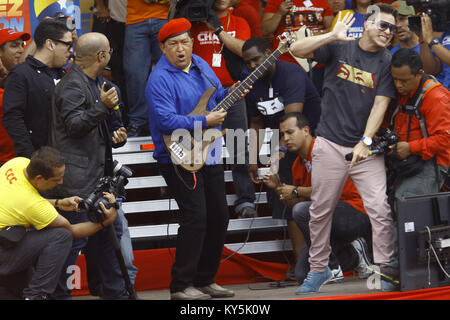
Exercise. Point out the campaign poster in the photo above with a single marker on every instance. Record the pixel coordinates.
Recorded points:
(15, 14)
(40, 9)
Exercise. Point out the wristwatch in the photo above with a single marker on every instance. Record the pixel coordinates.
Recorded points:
(433, 42)
(115, 205)
(218, 31)
(367, 141)
(295, 192)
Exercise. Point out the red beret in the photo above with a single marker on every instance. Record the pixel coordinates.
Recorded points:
(174, 27)
(7, 35)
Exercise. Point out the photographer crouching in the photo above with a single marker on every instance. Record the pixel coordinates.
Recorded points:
(419, 162)
(34, 239)
(82, 129)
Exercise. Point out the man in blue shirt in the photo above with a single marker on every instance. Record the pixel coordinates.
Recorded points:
(407, 38)
(174, 88)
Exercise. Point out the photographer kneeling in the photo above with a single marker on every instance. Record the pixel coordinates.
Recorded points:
(34, 238)
(419, 162)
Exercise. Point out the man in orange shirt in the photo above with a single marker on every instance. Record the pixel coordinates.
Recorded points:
(144, 20)
(350, 224)
(11, 50)
(219, 42)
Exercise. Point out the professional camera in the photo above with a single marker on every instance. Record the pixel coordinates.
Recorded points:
(438, 10)
(68, 21)
(194, 10)
(386, 138)
(115, 185)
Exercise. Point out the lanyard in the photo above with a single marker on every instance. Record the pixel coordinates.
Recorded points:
(226, 30)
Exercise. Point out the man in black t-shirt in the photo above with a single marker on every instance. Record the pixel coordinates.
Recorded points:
(357, 90)
(285, 87)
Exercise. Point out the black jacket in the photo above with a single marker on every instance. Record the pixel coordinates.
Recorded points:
(81, 130)
(27, 100)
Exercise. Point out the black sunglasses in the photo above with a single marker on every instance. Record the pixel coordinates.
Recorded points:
(69, 44)
(383, 26)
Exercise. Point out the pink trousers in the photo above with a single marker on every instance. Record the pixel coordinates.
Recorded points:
(330, 170)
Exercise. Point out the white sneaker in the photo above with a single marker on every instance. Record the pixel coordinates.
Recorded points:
(360, 246)
(216, 291)
(337, 276)
(190, 293)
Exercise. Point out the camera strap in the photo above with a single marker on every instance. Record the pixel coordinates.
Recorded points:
(412, 107)
(413, 104)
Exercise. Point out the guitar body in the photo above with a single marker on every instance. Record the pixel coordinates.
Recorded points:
(190, 149)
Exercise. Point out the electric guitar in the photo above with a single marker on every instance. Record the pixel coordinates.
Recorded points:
(189, 149)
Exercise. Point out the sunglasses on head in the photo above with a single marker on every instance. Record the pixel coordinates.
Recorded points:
(383, 26)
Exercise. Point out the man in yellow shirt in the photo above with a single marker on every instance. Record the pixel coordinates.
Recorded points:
(32, 266)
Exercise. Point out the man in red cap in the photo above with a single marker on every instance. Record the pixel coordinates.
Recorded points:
(11, 49)
(173, 90)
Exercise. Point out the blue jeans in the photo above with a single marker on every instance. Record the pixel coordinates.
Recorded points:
(141, 46)
(126, 247)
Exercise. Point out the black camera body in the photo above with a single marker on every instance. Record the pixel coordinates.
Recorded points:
(438, 10)
(387, 138)
(68, 21)
(115, 185)
(194, 10)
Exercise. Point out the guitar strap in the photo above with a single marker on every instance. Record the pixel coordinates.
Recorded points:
(174, 166)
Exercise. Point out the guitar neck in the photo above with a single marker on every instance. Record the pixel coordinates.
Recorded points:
(231, 98)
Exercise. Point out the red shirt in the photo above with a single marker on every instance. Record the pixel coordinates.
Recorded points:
(206, 43)
(251, 15)
(435, 109)
(309, 12)
(6, 144)
(301, 176)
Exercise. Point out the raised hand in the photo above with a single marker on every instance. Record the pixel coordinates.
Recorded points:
(342, 25)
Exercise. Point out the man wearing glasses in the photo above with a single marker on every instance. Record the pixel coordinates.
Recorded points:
(357, 89)
(84, 129)
(29, 87)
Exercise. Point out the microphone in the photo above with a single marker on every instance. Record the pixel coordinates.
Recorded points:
(116, 108)
(349, 156)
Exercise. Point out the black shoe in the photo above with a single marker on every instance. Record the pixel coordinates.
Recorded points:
(247, 212)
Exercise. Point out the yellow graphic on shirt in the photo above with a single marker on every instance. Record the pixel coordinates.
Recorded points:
(355, 75)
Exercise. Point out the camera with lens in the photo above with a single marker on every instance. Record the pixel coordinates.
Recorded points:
(194, 10)
(68, 21)
(386, 138)
(438, 10)
(115, 185)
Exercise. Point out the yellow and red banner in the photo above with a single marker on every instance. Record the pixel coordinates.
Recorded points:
(25, 15)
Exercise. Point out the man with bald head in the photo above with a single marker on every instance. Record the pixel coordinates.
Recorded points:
(84, 129)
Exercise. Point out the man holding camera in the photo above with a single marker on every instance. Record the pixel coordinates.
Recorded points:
(421, 120)
(82, 127)
(31, 260)
(419, 162)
